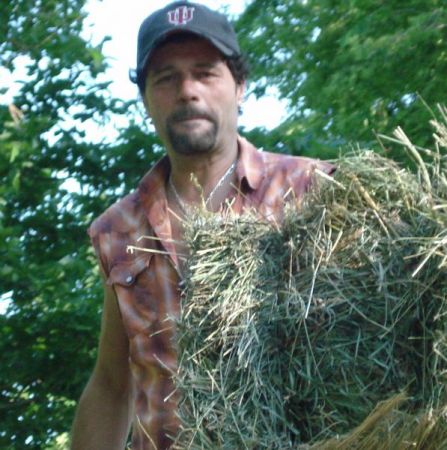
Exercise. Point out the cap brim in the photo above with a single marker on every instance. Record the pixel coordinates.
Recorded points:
(225, 50)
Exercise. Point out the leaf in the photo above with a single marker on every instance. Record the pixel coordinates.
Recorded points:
(16, 181)
(15, 149)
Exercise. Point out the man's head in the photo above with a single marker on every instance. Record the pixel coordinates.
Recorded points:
(187, 17)
(191, 76)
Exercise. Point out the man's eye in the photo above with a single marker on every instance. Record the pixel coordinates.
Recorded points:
(164, 79)
(206, 74)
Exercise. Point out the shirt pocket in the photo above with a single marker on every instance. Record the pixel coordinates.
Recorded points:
(133, 284)
(125, 273)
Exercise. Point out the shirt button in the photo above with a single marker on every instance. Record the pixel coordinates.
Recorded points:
(129, 279)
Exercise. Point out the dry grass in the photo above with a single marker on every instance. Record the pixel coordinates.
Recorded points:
(294, 336)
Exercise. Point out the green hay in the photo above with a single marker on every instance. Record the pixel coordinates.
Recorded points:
(293, 334)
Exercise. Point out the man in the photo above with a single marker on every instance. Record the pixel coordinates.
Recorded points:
(191, 77)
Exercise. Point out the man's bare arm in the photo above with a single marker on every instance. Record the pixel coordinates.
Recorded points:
(103, 416)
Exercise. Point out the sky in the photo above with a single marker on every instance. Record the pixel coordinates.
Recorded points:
(121, 20)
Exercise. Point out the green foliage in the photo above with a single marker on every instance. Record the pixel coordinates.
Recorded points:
(55, 180)
(348, 68)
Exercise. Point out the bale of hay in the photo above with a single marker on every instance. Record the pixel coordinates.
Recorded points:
(292, 335)
(389, 428)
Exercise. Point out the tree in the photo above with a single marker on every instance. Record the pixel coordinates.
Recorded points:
(48, 336)
(348, 69)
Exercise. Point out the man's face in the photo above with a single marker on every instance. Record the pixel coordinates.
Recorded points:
(192, 96)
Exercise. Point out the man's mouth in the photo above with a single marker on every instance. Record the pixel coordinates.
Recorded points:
(192, 118)
(188, 115)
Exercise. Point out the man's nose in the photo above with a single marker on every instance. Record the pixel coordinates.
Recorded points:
(187, 89)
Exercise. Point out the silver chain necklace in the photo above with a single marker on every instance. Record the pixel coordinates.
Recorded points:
(184, 206)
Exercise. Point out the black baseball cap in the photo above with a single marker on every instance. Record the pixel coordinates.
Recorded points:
(182, 16)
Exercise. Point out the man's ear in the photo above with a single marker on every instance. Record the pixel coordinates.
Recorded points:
(240, 92)
(146, 107)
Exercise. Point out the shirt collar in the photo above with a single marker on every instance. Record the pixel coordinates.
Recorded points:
(152, 187)
(152, 195)
(250, 164)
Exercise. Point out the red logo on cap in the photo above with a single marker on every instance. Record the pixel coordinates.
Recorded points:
(181, 15)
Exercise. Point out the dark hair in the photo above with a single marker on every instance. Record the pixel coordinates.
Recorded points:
(239, 67)
(237, 64)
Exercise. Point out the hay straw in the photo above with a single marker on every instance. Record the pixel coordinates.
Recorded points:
(293, 336)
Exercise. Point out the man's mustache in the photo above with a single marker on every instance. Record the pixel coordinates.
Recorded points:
(189, 112)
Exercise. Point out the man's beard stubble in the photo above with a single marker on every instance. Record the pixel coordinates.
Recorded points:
(190, 143)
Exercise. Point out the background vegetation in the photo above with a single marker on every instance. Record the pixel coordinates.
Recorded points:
(347, 69)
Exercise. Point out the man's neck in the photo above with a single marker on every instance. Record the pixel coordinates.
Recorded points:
(195, 176)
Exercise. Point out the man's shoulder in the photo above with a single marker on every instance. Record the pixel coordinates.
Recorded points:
(121, 217)
(291, 164)
(268, 163)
